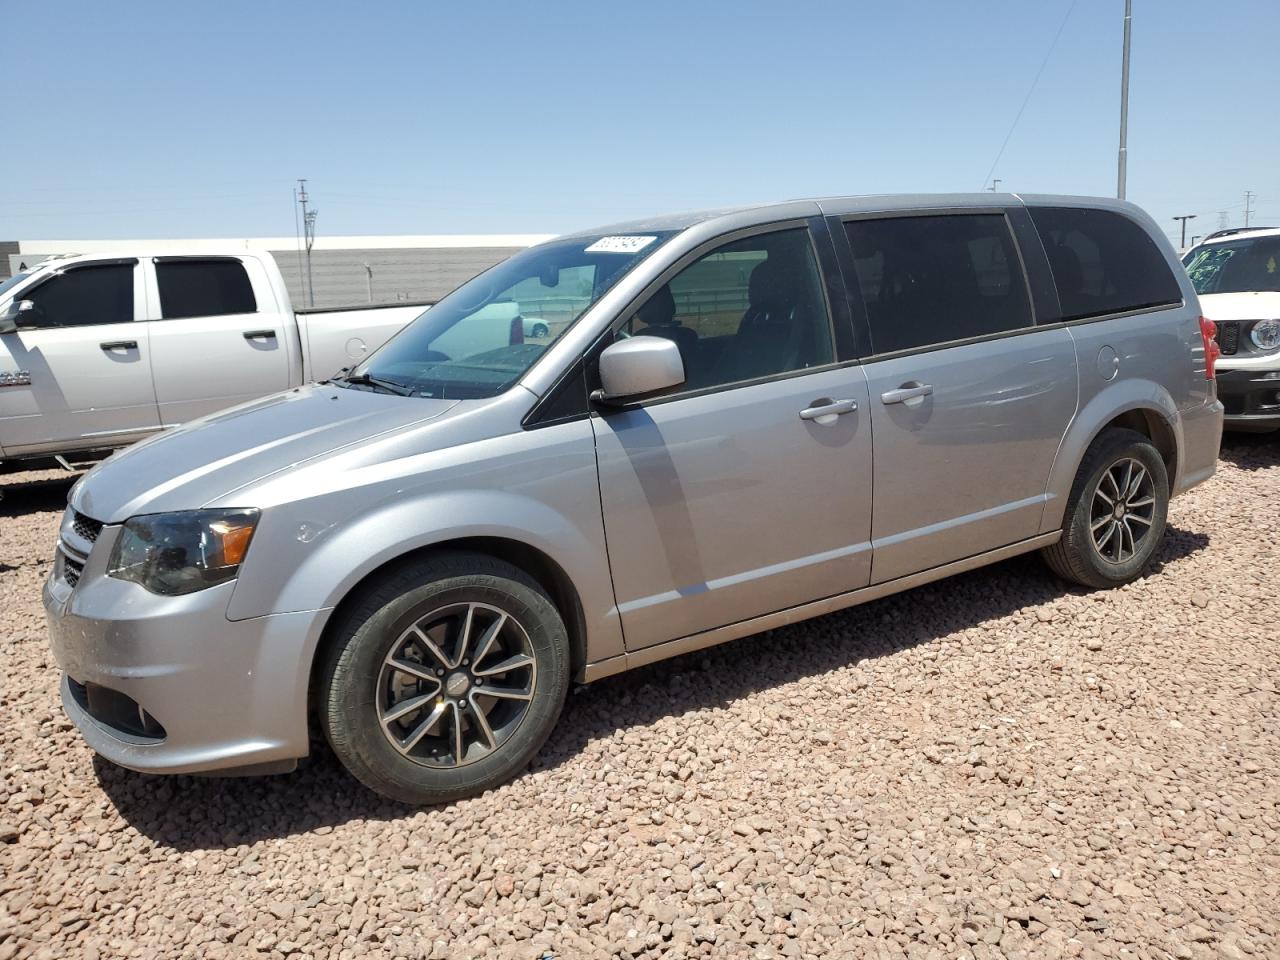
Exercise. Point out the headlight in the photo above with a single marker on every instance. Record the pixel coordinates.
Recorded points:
(1266, 334)
(176, 553)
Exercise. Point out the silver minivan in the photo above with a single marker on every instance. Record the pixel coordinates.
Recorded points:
(734, 420)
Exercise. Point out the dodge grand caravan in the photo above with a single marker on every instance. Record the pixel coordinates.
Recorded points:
(754, 417)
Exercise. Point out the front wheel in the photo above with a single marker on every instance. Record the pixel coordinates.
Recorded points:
(1116, 513)
(445, 679)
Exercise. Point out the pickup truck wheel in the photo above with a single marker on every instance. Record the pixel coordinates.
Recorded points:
(1116, 513)
(445, 679)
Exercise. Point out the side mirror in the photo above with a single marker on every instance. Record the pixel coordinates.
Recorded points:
(639, 366)
(19, 314)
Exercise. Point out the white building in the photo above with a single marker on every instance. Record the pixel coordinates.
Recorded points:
(344, 270)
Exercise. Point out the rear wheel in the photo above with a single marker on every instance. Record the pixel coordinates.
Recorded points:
(444, 680)
(1116, 513)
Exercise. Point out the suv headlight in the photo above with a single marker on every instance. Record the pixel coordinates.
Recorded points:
(176, 553)
(1266, 334)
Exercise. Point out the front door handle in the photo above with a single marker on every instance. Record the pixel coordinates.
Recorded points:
(259, 334)
(119, 345)
(822, 409)
(908, 391)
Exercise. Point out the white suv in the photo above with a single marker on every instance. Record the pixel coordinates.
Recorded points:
(1237, 275)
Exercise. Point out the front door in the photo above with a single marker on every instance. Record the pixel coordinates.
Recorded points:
(968, 400)
(738, 495)
(79, 371)
(219, 339)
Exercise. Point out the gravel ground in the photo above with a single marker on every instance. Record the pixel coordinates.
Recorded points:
(991, 766)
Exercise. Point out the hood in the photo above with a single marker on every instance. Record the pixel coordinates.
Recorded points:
(192, 465)
(1259, 305)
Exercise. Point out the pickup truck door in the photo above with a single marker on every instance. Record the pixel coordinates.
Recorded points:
(77, 375)
(218, 335)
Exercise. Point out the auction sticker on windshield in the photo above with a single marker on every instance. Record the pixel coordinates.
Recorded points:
(619, 244)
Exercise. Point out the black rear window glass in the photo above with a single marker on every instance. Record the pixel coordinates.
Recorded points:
(936, 279)
(203, 288)
(1103, 262)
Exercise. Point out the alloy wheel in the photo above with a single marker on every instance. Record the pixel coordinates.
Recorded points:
(456, 684)
(1122, 510)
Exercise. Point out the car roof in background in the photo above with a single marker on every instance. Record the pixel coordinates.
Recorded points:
(1239, 233)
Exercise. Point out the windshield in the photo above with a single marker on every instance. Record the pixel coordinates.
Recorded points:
(481, 338)
(1236, 266)
(12, 282)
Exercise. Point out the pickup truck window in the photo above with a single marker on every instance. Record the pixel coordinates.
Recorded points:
(85, 296)
(481, 338)
(203, 288)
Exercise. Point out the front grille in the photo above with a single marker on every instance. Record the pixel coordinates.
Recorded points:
(71, 570)
(86, 528)
(1229, 338)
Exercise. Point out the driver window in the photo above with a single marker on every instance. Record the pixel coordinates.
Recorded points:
(752, 308)
(87, 296)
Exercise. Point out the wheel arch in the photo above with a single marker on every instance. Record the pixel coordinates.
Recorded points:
(544, 570)
(1142, 406)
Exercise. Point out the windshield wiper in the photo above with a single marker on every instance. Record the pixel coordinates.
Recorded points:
(391, 386)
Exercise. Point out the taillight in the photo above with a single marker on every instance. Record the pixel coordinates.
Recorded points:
(516, 334)
(1208, 334)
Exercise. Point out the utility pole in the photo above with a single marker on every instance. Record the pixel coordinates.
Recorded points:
(1249, 196)
(1184, 219)
(1122, 173)
(369, 280)
(1223, 221)
(309, 235)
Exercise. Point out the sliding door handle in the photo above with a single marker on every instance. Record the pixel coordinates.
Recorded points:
(259, 334)
(823, 409)
(119, 345)
(908, 391)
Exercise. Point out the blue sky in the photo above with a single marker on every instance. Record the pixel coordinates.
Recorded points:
(166, 119)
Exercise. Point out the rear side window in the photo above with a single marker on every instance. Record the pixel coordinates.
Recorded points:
(203, 288)
(930, 280)
(1103, 262)
(85, 296)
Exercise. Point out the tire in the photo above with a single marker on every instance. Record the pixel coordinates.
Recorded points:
(434, 689)
(1077, 556)
(540, 331)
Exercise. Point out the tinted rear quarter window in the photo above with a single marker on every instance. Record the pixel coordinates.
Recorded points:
(1103, 262)
(936, 279)
(203, 288)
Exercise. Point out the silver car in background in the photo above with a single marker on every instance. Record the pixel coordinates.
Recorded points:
(735, 421)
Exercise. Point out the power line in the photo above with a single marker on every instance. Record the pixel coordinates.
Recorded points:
(1030, 90)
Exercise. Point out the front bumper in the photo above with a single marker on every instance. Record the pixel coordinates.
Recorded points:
(1250, 397)
(212, 694)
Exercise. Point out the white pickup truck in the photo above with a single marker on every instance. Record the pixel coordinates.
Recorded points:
(96, 352)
